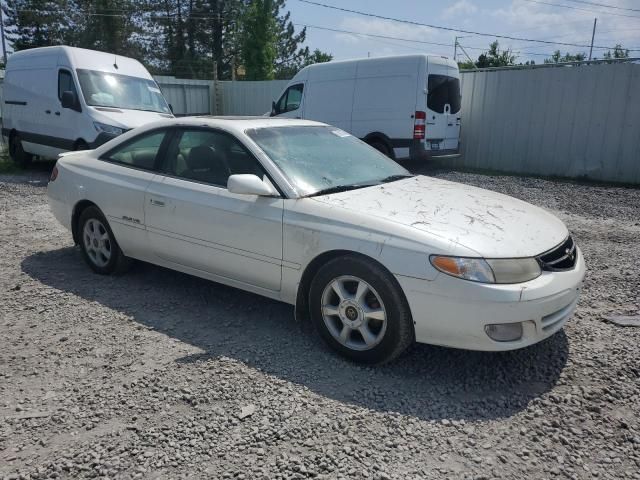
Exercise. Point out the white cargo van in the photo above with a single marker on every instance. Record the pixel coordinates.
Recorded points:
(62, 98)
(405, 106)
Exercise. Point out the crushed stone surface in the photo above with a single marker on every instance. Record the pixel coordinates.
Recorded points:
(156, 374)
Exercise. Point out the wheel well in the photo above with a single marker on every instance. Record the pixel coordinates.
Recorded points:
(77, 211)
(302, 298)
(380, 137)
(78, 142)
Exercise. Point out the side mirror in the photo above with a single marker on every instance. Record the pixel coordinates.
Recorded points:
(274, 110)
(249, 184)
(170, 107)
(70, 100)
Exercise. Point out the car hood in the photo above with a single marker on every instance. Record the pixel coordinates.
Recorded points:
(127, 119)
(492, 224)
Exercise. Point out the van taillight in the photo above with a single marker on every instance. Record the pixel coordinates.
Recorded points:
(419, 125)
(54, 173)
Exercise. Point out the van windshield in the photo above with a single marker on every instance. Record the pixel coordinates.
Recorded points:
(103, 89)
(443, 90)
(323, 159)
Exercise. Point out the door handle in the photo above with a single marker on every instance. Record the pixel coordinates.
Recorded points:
(48, 112)
(58, 113)
(157, 203)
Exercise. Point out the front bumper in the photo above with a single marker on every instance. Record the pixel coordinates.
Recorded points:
(452, 312)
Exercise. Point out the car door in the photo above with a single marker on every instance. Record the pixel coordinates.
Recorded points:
(66, 123)
(118, 187)
(194, 221)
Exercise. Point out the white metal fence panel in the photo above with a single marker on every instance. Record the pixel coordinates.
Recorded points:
(248, 98)
(567, 121)
(187, 97)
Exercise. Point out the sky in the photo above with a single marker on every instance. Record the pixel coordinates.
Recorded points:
(531, 19)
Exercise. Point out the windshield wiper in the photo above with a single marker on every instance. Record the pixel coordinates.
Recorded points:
(393, 178)
(338, 188)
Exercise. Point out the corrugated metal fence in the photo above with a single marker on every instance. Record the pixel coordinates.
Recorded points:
(565, 121)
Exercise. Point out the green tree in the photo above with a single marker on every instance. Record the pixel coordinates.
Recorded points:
(618, 53)
(557, 57)
(496, 58)
(259, 40)
(39, 23)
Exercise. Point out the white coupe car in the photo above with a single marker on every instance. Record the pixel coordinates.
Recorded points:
(307, 214)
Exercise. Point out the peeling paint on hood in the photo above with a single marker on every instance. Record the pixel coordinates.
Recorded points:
(490, 223)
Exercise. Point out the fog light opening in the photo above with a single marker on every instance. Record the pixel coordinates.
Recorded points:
(504, 332)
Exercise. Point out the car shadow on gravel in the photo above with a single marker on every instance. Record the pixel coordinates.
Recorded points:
(428, 382)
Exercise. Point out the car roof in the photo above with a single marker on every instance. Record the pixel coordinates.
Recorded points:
(236, 124)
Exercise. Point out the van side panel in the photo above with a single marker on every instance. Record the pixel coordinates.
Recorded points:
(28, 87)
(328, 94)
(385, 99)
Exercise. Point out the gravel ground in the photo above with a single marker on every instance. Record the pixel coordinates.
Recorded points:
(160, 375)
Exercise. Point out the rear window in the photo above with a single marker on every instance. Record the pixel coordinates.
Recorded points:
(443, 90)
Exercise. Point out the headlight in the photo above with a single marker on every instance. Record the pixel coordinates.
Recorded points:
(514, 270)
(509, 270)
(475, 269)
(110, 129)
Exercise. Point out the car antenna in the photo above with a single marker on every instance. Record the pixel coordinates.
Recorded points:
(115, 62)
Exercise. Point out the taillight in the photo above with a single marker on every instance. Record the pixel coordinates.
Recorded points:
(54, 173)
(419, 125)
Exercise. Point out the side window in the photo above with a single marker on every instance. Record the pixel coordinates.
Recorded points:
(294, 97)
(65, 83)
(290, 99)
(140, 152)
(209, 156)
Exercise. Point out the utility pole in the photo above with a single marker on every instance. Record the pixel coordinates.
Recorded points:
(593, 35)
(4, 46)
(455, 49)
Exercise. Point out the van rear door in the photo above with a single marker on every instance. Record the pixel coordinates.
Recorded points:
(443, 108)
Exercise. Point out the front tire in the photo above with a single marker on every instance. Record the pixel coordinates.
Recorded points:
(17, 153)
(382, 147)
(98, 244)
(360, 311)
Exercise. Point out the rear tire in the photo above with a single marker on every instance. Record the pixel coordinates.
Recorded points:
(81, 145)
(98, 244)
(382, 147)
(360, 310)
(17, 153)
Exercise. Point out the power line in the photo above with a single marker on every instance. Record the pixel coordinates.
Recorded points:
(387, 37)
(599, 12)
(450, 29)
(606, 5)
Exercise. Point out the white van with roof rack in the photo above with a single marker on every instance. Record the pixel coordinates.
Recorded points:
(62, 98)
(404, 106)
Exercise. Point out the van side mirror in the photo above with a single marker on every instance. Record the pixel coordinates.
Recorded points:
(70, 100)
(274, 109)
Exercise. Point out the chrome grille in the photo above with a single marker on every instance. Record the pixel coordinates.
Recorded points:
(561, 258)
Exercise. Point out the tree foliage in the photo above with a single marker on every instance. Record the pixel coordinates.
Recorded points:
(185, 38)
(493, 57)
(557, 57)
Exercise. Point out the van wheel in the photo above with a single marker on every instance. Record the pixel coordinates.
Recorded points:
(17, 153)
(81, 145)
(382, 148)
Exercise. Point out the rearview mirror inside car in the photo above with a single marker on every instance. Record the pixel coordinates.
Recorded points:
(248, 184)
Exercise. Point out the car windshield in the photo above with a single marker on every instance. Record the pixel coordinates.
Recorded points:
(102, 89)
(321, 158)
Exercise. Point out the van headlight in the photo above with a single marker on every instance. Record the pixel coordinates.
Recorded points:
(497, 270)
(110, 129)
